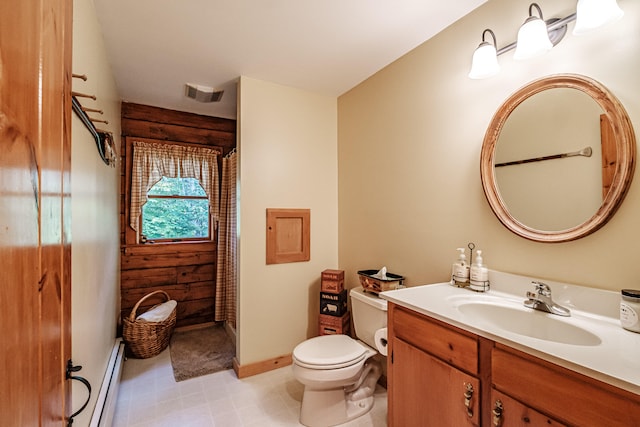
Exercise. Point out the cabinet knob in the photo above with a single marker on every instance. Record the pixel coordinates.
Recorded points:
(468, 394)
(497, 413)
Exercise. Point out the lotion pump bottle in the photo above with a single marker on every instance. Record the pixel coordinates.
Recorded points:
(479, 274)
(460, 270)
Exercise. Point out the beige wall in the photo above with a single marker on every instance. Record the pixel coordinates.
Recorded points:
(409, 155)
(288, 159)
(95, 261)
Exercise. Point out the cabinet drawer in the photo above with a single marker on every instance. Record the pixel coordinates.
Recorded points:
(457, 347)
(565, 395)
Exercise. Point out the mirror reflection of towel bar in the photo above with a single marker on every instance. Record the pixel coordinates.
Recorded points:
(585, 152)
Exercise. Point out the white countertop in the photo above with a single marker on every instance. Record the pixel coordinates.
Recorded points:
(614, 360)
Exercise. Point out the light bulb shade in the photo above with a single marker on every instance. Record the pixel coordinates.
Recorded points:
(592, 14)
(533, 39)
(485, 62)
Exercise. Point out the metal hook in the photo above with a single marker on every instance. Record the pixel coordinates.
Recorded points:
(70, 370)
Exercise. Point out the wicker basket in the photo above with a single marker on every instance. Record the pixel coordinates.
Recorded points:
(147, 339)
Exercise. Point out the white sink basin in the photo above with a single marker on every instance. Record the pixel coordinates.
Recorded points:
(520, 320)
(591, 341)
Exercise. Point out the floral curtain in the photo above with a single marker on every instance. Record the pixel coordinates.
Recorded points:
(152, 161)
(226, 276)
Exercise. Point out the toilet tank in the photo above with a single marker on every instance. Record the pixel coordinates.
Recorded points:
(369, 313)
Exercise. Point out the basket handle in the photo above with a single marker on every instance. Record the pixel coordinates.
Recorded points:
(132, 316)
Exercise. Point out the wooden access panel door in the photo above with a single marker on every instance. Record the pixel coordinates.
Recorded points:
(35, 157)
(426, 391)
(288, 235)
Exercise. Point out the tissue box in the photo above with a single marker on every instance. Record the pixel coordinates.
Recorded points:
(333, 304)
(332, 281)
(330, 325)
(375, 285)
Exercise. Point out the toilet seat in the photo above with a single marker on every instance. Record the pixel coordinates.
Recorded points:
(329, 352)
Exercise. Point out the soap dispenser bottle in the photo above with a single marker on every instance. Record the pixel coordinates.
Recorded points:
(460, 270)
(479, 274)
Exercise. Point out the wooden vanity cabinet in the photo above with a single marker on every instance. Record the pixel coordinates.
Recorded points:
(565, 395)
(431, 365)
(432, 373)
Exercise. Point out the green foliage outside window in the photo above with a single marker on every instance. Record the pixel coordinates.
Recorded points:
(177, 208)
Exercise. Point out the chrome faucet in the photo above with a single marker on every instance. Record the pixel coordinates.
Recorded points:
(541, 300)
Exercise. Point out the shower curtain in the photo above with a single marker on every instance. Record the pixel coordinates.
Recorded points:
(226, 276)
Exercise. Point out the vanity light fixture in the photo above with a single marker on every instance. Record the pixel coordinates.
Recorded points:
(485, 59)
(589, 15)
(592, 14)
(533, 37)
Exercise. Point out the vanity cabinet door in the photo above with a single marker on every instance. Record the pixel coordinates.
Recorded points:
(425, 391)
(508, 412)
(566, 395)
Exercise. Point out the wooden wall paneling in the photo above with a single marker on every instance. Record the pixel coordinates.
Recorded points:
(196, 273)
(186, 271)
(177, 133)
(179, 292)
(148, 277)
(197, 311)
(164, 259)
(147, 113)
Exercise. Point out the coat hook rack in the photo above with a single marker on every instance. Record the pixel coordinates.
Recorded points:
(104, 139)
(83, 95)
(92, 110)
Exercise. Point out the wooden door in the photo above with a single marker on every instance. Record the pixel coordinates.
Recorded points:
(426, 391)
(35, 158)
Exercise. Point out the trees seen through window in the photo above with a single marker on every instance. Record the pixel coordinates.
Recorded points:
(176, 209)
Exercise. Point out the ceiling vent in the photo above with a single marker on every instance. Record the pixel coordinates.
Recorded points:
(203, 93)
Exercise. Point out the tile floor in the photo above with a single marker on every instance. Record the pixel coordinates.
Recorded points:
(150, 397)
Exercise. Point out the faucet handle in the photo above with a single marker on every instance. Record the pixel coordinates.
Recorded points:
(542, 288)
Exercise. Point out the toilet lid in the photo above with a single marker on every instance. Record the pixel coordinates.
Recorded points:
(329, 351)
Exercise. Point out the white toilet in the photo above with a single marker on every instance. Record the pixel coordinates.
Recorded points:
(338, 372)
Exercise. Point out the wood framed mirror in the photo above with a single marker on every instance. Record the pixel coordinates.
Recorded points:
(539, 178)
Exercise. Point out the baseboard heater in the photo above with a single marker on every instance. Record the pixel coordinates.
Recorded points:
(106, 403)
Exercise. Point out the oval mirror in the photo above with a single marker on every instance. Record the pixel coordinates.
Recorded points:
(558, 158)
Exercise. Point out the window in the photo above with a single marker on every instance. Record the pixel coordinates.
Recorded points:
(175, 192)
(176, 209)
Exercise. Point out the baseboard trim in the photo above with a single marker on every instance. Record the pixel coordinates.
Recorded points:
(244, 371)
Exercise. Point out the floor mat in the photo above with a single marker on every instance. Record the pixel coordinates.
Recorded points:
(201, 351)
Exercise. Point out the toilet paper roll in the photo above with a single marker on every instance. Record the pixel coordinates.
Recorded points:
(380, 338)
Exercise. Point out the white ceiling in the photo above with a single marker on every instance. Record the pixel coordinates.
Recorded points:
(323, 46)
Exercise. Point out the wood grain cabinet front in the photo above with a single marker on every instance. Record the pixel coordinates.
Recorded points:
(432, 369)
(430, 392)
(440, 375)
(508, 412)
(565, 395)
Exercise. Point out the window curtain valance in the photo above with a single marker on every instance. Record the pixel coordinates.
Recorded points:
(152, 161)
